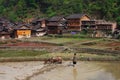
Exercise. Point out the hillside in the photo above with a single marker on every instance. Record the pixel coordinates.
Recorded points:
(20, 9)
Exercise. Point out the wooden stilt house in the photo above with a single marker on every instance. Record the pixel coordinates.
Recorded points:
(98, 28)
(56, 25)
(6, 28)
(74, 21)
(22, 31)
(39, 27)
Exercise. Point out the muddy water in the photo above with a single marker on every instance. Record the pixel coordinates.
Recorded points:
(18, 70)
(83, 71)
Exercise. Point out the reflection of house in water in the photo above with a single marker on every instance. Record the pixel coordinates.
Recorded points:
(98, 28)
(56, 25)
(39, 27)
(75, 73)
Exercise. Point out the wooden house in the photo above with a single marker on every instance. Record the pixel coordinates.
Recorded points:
(22, 31)
(42, 22)
(38, 31)
(116, 34)
(74, 21)
(104, 28)
(39, 27)
(6, 28)
(4, 34)
(56, 25)
(98, 28)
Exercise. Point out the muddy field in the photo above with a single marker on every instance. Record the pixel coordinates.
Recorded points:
(18, 70)
(113, 45)
(38, 71)
(82, 71)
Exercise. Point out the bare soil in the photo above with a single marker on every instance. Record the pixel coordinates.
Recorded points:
(113, 44)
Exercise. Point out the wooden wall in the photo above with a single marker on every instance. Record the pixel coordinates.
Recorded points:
(85, 18)
(23, 33)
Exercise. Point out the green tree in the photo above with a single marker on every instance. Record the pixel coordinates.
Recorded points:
(12, 16)
(20, 9)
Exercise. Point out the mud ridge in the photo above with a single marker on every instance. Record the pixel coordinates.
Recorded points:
(40, 71)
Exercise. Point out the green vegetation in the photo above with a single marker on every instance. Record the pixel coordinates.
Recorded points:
(20, 9)
(21, 53)
(86, 49)
(8, 41)
(42, 55)
(65, 39)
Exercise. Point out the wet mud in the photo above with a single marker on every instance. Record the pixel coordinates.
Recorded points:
(36, 70)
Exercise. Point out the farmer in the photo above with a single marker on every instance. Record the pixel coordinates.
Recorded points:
(74, 59)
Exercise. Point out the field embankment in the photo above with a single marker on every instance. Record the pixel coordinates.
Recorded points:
(41, 48)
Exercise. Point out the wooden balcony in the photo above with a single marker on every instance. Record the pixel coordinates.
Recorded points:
(88, 23)
(73, 24)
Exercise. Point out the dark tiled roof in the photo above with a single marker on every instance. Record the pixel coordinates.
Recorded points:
(3, 32)
(35, 27)
(22, 26)
(53, 24)
(6, 26)
(38, 19)
(41, 19)
(56, 18)
(38, 28)
(75, 16)
(1, 28)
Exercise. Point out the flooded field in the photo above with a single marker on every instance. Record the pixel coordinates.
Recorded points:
(18, 70)
(82, 71)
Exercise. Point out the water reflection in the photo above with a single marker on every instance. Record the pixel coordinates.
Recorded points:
(82, 71)
(102, 75)
(112, 68)
(74, 73)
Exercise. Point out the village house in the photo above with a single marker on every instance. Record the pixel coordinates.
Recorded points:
(56, 25)
(116, 34)
(98, 28)
(74, 21)
(39, 27)
(6, 28)
(4, 34)
(22, 31)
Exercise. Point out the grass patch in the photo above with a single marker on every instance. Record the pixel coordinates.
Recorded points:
(21, 53)
(3, 42)
(9, 41)
(33, 55)
(81, 56)
(60, 40)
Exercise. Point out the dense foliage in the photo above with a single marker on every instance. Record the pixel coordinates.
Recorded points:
(20, 9)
